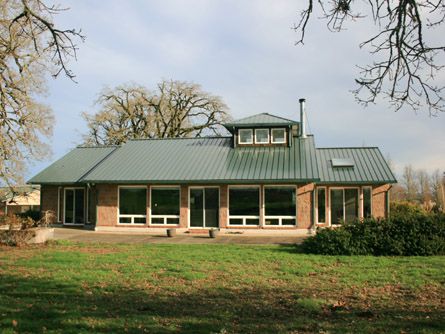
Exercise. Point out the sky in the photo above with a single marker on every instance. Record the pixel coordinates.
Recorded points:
(245, 52)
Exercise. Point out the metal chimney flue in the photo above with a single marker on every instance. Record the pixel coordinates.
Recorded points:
(302, 118)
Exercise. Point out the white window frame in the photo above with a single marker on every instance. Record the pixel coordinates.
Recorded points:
(165, 217)
(244, 218)
(325, 205)
(262, 142)
(239, 136)
(128, 215)
(362, 204)
(74, 204)
(344, 211)
(273, 141)
(280, 218)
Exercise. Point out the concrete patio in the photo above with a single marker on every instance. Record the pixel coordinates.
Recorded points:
(81, 235)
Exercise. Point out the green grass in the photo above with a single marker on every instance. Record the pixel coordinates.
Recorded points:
(166, 288)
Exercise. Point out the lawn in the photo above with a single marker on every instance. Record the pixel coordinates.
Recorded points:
(166, 288)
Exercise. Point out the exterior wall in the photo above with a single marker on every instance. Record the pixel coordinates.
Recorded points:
(106, 204)
(223, 206)
(183, 212)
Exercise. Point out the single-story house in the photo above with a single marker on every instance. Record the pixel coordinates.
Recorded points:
(22, 199)
(267, 175)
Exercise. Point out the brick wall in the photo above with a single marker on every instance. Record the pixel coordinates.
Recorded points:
(223, 206)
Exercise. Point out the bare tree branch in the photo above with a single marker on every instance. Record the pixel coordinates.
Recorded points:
(408, 73)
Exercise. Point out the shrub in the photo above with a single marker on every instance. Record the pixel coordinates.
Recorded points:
(412, 234)
(33, 214)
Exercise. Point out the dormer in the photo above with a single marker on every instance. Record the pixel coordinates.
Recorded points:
(262, 130)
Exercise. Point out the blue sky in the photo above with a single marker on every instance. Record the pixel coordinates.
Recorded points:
(243, 51)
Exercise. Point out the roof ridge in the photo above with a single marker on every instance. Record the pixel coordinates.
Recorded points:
(96, 146)
(345, 147)
(180, 138)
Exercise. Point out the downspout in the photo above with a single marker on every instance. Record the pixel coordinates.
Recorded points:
(387, 202)
(314, 228)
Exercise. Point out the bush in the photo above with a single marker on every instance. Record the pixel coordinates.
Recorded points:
(33, 214)
(411, 234)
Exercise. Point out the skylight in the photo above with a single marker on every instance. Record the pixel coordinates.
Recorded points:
(342, 162)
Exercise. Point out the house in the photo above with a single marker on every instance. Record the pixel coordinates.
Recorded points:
(23, 199)
(268, 174)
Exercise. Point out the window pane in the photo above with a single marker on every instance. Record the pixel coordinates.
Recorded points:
(280, 201)
(132, 201)
(80, 205)
(262, 136)
(69, 206)
(351, 204)
(173, 221)
(196, 207)
(336, 206)
(278, 136)
(125, 220)
(244, 202)
(288, 221)
(139, 220)
(252, 221)
(165, 201)
(245, 136)
(236, 221)
(367, 203)
(157, 220)
(321, 197)
(270, 221)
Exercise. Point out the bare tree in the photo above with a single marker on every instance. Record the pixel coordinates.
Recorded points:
(405, 66)
(31, 46)
(409, 182)
(174, 109)
(438, 189)
(423, 180)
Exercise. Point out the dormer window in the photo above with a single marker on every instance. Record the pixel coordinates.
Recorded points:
(261, 136)
(245, 136)
(278, 136)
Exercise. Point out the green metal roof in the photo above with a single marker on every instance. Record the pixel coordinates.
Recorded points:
(369, 166)
(263, 119)
(206, 160)
(73, 166)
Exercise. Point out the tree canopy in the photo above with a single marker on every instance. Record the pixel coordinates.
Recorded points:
(406, 61)
(31, 46)
(173, 109)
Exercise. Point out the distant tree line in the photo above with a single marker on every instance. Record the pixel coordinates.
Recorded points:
(420, 187)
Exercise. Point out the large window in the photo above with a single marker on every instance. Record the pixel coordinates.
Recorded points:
(278, 136)
(321, 205)
(165, 205)
(344, 205)
(245, 136)
(280, 205)
(261, 136)
(244, 206)
(132, 205)
(367, 209)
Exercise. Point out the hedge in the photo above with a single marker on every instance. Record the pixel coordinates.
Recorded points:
(409, 234)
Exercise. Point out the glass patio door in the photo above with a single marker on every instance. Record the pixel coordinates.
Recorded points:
(74, 206)
(204, 207)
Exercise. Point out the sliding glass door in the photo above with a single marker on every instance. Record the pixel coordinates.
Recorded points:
(74, 206)
(204, 207)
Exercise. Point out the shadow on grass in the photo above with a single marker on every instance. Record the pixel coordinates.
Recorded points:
(34, 305)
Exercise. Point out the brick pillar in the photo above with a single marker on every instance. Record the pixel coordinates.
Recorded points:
(379, 200)
(304, 206)
(223, 206)
(107, 205)
(183, 220)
